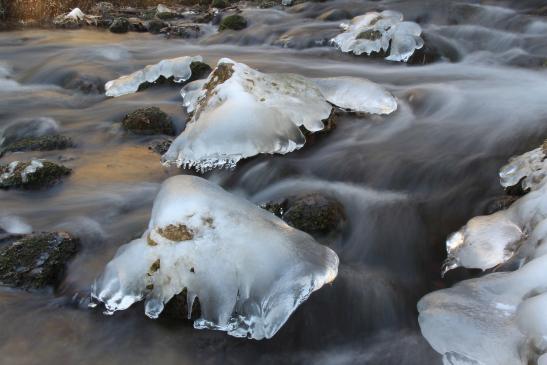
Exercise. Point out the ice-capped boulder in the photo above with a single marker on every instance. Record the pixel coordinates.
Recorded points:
(248, 268)
(239, 112)
(376, 32)
(500, 318)
(490, 240)
(179, 68)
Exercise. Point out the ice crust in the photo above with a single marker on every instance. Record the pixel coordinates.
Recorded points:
(500, 318)
(179, 68)
(374, 32)
(239, 112)
(248, 268)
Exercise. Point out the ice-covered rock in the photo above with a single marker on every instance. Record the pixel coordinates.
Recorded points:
(75, 14)
(490, 240)
(239, 112)
(178, 68)
(375, 32)
(500, 318)
(248, 268)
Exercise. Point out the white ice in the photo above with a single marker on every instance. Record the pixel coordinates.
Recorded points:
(500, 318)
(248, 268)
(179, 68)
(239, 112)
(374, 32)
(75, 14)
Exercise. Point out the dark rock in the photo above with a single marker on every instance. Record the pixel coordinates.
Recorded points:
(200, 70)
(151, 120)
(155, 26)
(84, 84)
(160, 147)
(220, 4)
(177, 308)
(45, 143)
(334, 14)
(233, 22)
(185, 31)
(44, 174)
(27, 128)
(36, 260)
(517, 189)
(136, 25)
(119, 25)
(499, 203)
(312, 213)
(435, 49)
(166, 15)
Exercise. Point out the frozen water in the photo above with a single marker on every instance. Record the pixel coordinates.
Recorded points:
(357, 94)
(179, 68)
(500, 318)
(374, 32)
(239, 112)
(75, 14)
(248, 268)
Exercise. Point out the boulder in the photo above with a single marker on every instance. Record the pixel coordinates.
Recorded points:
(233, 22)
(150, 120)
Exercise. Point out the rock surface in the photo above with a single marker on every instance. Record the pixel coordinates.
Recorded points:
(45, 143)
(233, 22)
(35, 174)
(146, 121)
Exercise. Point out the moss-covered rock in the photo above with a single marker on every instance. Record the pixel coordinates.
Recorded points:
(155, 26)
(220, 4)
(35, 174)
(44, 143)
(36, 260)
(146, 121)
(160, 147)
(313, 213)
(233, 22)
(119, 25)
(200, 70)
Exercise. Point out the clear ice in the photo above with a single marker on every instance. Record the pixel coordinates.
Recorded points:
(249, 269)
(178, 68)
(374, 32)
(500, 318)
(239, 112)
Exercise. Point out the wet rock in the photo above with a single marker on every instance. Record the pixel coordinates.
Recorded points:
(102, 8)
(177, 308)
(155, 26)
(313, 213)
(146, 121)
(220, 4)
(37, 260)
(85, 84)
(160, 147)
(35, 174)
(137, 25)
(233, 22)
(200, 70)
(334, 15)
(499, 203)
(45, 143)
(185, 31)
(27, 128)
(119, 25)
(265, 4)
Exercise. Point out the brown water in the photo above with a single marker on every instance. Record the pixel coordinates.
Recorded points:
(406, 180)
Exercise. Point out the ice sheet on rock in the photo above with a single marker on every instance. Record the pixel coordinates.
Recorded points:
(179, 68)
(498, 319)
(75, 14)
(239, 112)
(248, 268)
(487, 241)
(374, 32)
(530, 166)
(357, 94)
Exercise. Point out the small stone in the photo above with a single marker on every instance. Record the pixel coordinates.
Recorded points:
(233, 22)
(37, 260)
(119, 25)
(146, 121)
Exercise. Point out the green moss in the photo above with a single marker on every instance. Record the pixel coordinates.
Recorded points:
(37, 260)
(220, 4)
(146, 121)
(45, 143)
(45, 176)
(233, 22)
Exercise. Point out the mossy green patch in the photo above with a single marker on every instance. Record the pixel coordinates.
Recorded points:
(146, 121)
(233, 22)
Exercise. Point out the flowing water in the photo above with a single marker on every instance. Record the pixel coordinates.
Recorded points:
(406, 180)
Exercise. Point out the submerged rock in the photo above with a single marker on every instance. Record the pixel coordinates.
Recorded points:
(36, 260)
(85, 84)
(334, 14)
(36, 174)
(233, 22)
(27, 128)
(312, 213)
(45, 143)
(119, 25)
(155, 26)
(161, 146)
(151, 120)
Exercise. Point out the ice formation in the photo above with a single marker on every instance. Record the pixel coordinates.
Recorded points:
(179, 68)
(248, 268)
(75, 14)
(239, 112)
(375, 32)
(30, 169)
(500, 318)
(487, 241)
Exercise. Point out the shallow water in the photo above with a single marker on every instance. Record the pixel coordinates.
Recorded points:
(406, 180)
